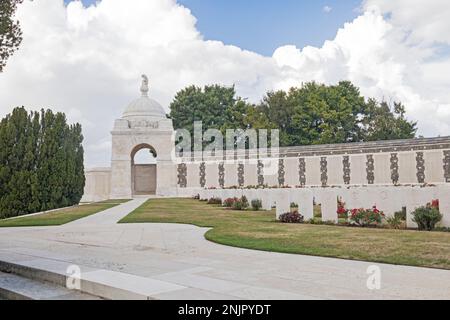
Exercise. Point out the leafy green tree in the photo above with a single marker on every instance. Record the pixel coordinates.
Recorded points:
(316, 114)
(209, 105)
(320, 114)
(278, 109)
(382, 122)
(311, 114)
(10, 32)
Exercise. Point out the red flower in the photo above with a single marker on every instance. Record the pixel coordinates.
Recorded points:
(435, 203)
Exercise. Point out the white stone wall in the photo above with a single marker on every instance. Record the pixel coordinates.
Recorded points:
(434, 166)
(313, 171)
(358, 169)
(193, 175)
(251, 173)
(387, 199)
(291, 168)
(98, 185)
(359, 191)
(334, 172)
(407, 167)
(212, 174)
(382, 169)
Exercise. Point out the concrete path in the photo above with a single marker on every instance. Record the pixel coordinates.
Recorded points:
(170, 261)
(109, 216)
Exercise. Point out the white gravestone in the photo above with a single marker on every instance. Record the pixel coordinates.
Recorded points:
(444, 204)
(282, 202)
(227, 194)
(249, 194)
(304, 199)
(328, 200)
(385, 202)
(267, 195)
(416, 197)
(203, 194)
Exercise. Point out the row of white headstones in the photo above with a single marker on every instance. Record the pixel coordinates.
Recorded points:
(387, 199)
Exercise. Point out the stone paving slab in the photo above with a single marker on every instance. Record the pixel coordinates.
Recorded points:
(117, 285)
(109, 216)
(15, 287)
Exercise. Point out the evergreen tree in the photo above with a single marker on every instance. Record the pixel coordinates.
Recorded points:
(79, 179)
(41, 162)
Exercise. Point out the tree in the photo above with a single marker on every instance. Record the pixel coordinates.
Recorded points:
(320, 114)
(385, 123)
(316, 114)
(278, 109)
(211, 105)
(311, 114)
(17, 163)
(10, 32)
(41, 162)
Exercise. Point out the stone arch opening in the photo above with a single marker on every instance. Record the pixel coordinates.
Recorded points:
(143, 170)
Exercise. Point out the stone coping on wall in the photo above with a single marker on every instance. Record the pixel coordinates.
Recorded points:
(390, 146)
(353, 186)
(99, 169)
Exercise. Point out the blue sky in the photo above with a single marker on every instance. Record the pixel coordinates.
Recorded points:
(264, 25)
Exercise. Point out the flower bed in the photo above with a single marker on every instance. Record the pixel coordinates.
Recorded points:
(236, 203)
(291, 217)
(366, 217)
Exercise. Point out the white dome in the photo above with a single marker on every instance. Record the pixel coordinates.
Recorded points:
(144, 106)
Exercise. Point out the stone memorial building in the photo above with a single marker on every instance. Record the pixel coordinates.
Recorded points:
(421, 162)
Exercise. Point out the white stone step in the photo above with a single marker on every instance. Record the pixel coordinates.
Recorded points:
(98, 282)
(14, 287)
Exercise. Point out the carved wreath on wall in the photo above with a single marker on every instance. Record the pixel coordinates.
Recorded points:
(241, 179)
(324, 171)
(221, 174)
(420, 167)
(260, 173)
(281, 172)
(302, 171)
(202, 174)
(394, 168)
(346, 168)
(182, 173)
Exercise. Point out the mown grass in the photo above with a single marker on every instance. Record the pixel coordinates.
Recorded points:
(260, 231)
(60, 217)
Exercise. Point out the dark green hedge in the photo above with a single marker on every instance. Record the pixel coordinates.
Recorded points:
(41, 162)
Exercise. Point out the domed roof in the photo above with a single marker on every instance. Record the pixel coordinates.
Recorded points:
(144, 106)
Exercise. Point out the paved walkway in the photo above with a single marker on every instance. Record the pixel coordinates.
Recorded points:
(178, 258)
(110, 216)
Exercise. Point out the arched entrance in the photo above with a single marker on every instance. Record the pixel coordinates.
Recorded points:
(143, 170)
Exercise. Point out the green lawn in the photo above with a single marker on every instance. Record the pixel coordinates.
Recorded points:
(60, 217)
(260, 231)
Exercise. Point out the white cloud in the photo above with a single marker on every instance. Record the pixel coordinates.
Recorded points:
(387, 57)
(327, 9)
(423, 22)
(87, 61)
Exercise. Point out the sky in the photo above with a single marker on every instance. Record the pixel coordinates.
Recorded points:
(264, 25)
(86, 59)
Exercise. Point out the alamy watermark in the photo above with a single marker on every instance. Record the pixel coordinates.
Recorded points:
(374, 280)
(238, 145)
(73, 280)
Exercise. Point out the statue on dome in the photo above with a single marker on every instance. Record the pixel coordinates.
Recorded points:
(144, 86)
